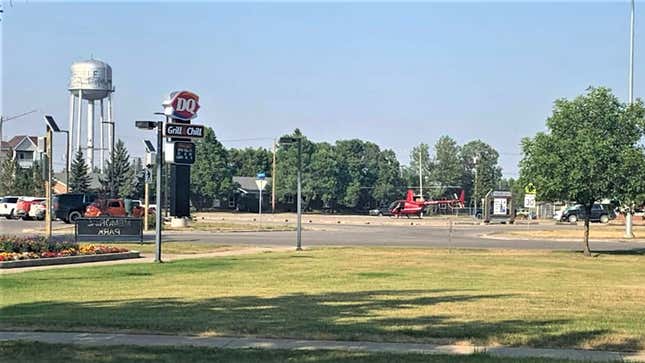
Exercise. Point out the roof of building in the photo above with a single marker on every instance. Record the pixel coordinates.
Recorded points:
(247, 183)
(16, 140)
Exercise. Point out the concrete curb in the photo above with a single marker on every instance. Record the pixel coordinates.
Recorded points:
(102, 339)
(69, 260)
(526, 238)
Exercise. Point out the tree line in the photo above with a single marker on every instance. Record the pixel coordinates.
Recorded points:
(346, 175)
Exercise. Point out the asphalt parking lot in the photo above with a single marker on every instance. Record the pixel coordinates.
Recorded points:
(438, 235)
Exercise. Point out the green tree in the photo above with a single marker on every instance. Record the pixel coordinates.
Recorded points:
(8, 177)
(389, 184)
(481, 170)
(24, 181)
(79, 178)
(448, 168)
(287, 167)
(37, 178)
(210, 175)
(250, 161)
(139, 179)
(118, 180)
(582, 155)
(325, 183)
(420, 154)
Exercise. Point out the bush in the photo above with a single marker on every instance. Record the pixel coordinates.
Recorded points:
(35, 244)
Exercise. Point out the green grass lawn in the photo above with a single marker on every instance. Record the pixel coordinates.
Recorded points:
(40, 352)
(531, 298)
(172, 248)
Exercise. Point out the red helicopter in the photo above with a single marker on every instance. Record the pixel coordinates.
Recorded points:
(414, 205)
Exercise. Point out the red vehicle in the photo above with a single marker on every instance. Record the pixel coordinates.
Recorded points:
(414, 205)
(111, 208)
(24, 204)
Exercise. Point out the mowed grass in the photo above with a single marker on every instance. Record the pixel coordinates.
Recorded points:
(233, 227)
(597, 231)
(173, 248)
(529, 298)
(28, 352)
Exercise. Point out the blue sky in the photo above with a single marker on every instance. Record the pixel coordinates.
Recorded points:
(396, 74)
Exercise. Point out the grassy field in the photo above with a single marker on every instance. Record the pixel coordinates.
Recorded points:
(173, 248)
(530, 298)
(40, 352)
(233, 227)
(595, 232)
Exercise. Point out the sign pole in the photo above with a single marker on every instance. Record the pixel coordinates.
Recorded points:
(260, 210)
(145, 204)
(48, 184)
(158, 196)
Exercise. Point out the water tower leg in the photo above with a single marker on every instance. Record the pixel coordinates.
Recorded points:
(111, 121)
(102, 126)
(90, 135)
(78, 121)
(70, 133)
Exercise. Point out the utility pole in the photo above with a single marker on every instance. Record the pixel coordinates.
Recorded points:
(273, 180)
(420, 174)
(629, 211)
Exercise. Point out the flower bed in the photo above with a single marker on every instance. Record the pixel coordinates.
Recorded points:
(14, 248)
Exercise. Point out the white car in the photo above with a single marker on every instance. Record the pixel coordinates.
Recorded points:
(37, 210)
(8, 207)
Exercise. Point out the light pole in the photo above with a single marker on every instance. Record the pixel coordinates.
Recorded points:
(628, 211)
(51, 122)
(151, 125)
(475, 186)
(285, 140)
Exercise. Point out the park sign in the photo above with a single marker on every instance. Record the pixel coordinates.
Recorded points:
(184, 130)
(108, 229)
(181, 105)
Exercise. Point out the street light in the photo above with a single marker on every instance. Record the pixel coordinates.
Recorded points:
(286, 140)
(54, 127)
(151, 125)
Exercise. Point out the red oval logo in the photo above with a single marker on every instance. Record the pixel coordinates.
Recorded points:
(183, 105)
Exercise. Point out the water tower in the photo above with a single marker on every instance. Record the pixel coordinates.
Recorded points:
(91, 80)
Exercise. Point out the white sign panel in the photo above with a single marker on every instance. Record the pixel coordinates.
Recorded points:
(529, 200)
(261, 183)
(499, 206)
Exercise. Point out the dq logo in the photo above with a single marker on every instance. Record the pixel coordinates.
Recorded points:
(182, 105)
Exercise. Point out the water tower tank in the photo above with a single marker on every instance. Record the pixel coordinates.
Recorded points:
(93, 77)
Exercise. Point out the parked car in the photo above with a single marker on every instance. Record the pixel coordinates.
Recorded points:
(38, 210)
(383, 210)
(70, 206)
(24, 204)
(111, 208)
(8, 207)
(578, 212)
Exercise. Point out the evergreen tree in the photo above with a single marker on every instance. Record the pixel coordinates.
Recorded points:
(79, 179)
(140, 179)
(211, 177)
(24, 181)
(38, 181)
(8, 177)
(118, 181)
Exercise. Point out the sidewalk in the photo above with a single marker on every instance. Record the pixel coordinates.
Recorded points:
(99, 339)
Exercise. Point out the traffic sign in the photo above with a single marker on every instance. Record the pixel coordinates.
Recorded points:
(530, 189)
(261, 175)
(261, 183)
(184, 130)
(529, 200)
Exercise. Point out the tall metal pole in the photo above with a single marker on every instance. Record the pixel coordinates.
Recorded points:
(260, 210)
(158, 196)
(102, 127)
(420, 175)
(299, 219)
(475, 192)
(70, 131)
(273, 181)
(629, 212)
(78, 121)
(146, 198)
(90, 135)
(48, 185)
(67, 161)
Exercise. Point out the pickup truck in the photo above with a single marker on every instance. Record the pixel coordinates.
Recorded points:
(111, 208)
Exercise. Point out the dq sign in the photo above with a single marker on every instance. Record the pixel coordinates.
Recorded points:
(182, 105)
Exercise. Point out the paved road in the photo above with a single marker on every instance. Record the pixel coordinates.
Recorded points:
(463, 236)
